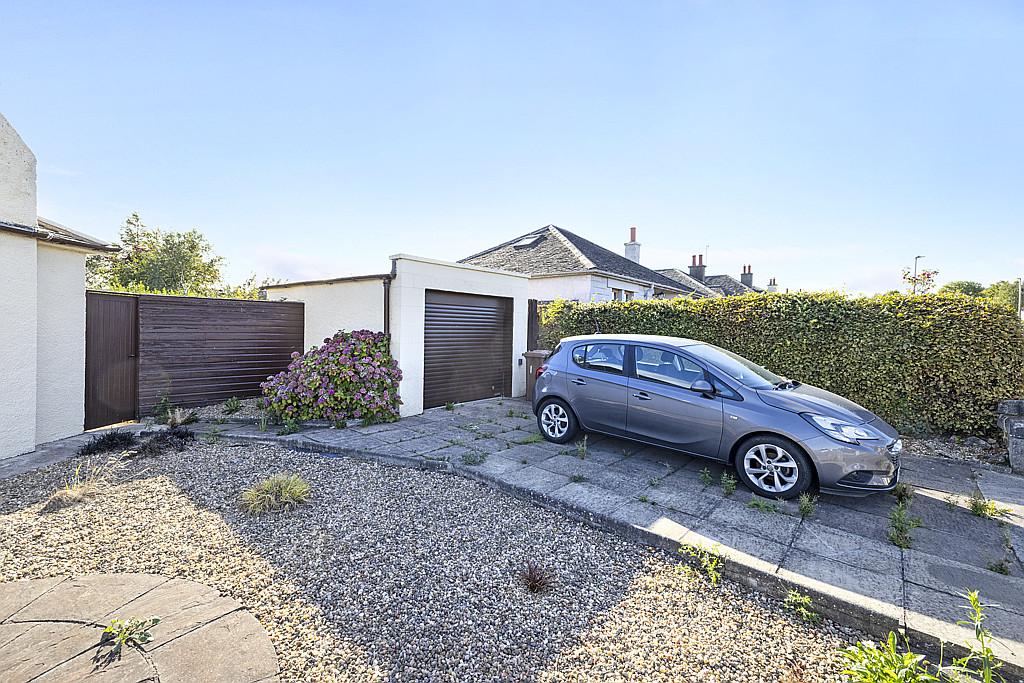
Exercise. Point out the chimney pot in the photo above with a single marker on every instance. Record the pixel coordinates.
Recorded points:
(632, 246)
(700, 259)
(632, 234)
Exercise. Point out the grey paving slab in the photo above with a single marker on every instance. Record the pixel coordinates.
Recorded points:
(1005, 489)
(44, 646)
(682, 481)
(742, 547)
(589, 497)
(535, 479)
(932, 615)
(942, 574)
(674, 459)
(613, 446)
(529, 453)
(979, 548)
(643, 468)
(859, 523)
(851, 549)
(695, 504)
(425, 444)
(494, 465)
(939, 481)
(669, 525)
(181, 605)
(131, 666)
(881, 593)
(766, 525)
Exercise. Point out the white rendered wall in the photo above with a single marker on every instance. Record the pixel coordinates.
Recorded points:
(17, 344)
(60, 325)
(348, 305)
(568, 287)
(17, 178)
(413, 276)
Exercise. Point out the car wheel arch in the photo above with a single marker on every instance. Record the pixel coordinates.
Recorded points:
(735, 448)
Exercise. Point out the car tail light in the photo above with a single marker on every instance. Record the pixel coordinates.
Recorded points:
(540, 370)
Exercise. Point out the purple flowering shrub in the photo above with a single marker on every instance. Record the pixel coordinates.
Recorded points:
(351, 376)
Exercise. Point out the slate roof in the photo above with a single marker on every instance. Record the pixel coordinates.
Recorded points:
(48, 231)
(684, 280)
(727, 285)
(551, 250)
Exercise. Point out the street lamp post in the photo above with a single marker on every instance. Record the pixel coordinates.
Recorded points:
(914, 283)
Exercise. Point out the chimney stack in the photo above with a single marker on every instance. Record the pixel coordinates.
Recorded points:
(697, 268)
(747, 277)
(772, 286)
(632, 246)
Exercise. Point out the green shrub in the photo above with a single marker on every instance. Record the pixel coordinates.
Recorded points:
(925, 363)
(352, 376)
(275, 494)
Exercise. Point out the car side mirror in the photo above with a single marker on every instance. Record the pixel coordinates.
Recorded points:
(702, 386)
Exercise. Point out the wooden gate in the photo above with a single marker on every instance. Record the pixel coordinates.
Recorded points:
(111, 362)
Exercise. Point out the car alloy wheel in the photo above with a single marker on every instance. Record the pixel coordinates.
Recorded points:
(554, 420)
(771, 468)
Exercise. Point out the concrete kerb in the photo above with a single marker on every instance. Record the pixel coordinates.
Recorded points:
(764, 577)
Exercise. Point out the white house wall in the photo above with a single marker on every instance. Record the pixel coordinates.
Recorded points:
(413, 276)
(333, 306)
(568, 287)
(18, 345)
(17, 178)
(60, 324)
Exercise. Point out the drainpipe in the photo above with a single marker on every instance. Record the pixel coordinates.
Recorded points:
(387, 296)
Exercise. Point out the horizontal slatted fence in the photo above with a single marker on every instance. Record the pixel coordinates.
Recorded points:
(202, 351)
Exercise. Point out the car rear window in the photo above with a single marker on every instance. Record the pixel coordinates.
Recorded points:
(658, 365)
(600, 357)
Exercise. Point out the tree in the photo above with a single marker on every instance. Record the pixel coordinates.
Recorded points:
(968, 287)
(922, 282)
(1003, 292)
(165, 262)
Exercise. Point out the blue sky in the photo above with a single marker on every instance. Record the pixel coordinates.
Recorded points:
(825, 143)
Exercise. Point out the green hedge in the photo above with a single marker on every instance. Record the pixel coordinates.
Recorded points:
(927, 363)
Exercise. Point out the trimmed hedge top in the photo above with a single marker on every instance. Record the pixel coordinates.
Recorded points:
(927, 363)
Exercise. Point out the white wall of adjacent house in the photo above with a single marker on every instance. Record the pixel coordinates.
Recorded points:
(17, 178)
(60, 342)
(413, 277)
(612, 289)
(333, 306)
(18, 345)
(568, 287)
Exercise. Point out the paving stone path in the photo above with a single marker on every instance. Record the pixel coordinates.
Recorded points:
(50, 631)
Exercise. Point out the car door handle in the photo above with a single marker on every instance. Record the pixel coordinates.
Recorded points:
(642, 396)
(578, 381)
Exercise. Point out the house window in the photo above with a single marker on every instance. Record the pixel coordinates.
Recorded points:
(616, 294)
(629, 295)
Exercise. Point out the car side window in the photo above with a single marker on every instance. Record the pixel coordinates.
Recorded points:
(658, 365)
(600, 357)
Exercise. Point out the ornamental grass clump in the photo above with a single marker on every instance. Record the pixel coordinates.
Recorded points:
(278, 493)
(351, 376)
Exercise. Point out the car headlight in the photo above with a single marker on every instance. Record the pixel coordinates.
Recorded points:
(840, 430)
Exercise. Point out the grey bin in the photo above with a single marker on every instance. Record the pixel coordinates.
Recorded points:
(534, 359)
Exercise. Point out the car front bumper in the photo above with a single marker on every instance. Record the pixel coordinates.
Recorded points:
(854, 469)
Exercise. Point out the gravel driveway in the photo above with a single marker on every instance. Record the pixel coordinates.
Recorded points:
(399, 574)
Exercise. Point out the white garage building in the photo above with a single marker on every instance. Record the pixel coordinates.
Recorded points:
(458, 331)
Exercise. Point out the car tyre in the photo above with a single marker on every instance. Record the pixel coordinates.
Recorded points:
(774, 467)
(557, 422)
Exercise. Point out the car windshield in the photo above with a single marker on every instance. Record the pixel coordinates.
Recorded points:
(739, 368)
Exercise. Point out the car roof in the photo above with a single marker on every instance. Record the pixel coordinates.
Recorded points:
(678, 342)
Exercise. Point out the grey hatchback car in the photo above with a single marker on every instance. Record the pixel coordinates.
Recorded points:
(782, 437)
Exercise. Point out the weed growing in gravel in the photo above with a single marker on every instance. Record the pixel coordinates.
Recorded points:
(577, 478)
(901, 524)
(131, 632)
(289, 427)
(800, 605)
(178, 417)
(581, 448)
(531, 438)
(762, 505)
(903, 493)
(449, 406)
(277, 493)
(114, 440)
(232, 406)
(84, 483)
(708, 560)
(262, 423)
(728, 484)
(654, 481)
(705, 477)
(456, 442)
(644, 499)
(882, 663)
(212, 436)
(986, 508)
(536, 578)
(473, 458)
(512, 412)
(807, 505)
(951, 502)
(219, 420)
